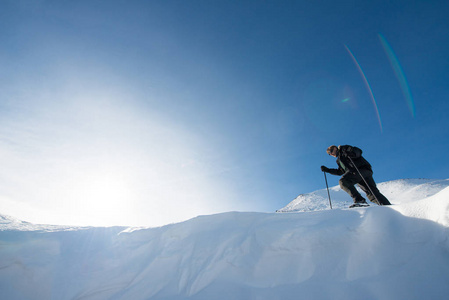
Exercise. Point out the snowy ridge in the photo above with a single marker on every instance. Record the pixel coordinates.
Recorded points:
(11, 223)
(397, 252)
(398, 191)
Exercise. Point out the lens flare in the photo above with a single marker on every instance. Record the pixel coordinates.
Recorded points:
(367, 85)
(399, 74)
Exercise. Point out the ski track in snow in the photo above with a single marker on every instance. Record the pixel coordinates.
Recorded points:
(309, 252)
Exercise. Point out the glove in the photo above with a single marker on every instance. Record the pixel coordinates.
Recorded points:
(324, 169)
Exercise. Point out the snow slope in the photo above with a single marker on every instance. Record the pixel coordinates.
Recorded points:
(397, 252)
(397, 191)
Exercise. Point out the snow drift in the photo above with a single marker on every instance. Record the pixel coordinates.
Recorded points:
(310, 252)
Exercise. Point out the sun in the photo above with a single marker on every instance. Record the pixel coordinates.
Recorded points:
(101, 198)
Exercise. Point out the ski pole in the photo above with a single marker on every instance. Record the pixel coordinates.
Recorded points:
(364, 181)
(327, 187)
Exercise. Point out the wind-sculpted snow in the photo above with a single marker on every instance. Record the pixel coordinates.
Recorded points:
(397, 252)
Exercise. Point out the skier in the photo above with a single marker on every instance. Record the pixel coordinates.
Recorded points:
(352, 165)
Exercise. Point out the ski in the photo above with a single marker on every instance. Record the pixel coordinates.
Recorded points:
(359, 205)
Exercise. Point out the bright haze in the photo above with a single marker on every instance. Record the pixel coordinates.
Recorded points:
(144, 113)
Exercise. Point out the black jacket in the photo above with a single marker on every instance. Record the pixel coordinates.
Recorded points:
(344, 163)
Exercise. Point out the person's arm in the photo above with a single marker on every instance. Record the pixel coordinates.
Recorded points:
(332, 171)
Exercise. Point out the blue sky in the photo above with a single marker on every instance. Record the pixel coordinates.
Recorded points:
(150, 112)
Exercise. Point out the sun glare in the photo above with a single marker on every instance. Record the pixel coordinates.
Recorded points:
(105, 197)
(102, 159)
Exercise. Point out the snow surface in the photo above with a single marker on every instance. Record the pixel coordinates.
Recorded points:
(310, 252)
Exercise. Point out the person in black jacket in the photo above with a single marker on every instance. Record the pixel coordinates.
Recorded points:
(351, 164)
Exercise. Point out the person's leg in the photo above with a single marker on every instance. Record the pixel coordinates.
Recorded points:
(368, 193)
(377, 198)
(347, 182)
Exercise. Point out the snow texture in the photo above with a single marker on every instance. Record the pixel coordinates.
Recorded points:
(308, 252)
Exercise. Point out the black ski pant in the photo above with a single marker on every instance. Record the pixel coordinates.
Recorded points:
(349, 180)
